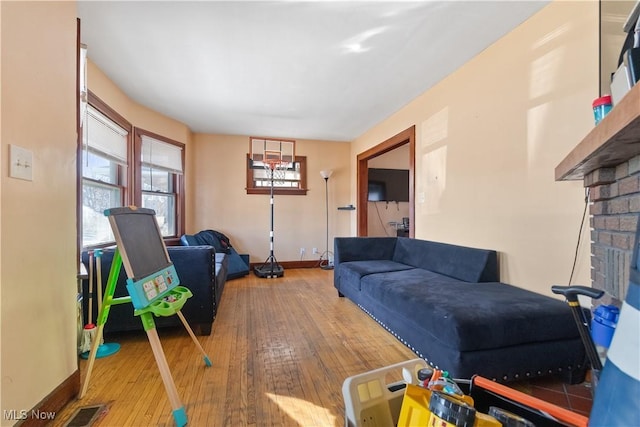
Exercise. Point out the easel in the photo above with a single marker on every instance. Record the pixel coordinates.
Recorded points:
(153, 287)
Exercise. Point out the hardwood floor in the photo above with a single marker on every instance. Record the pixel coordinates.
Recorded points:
(280, 349)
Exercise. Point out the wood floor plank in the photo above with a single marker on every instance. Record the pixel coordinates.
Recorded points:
(280, 350)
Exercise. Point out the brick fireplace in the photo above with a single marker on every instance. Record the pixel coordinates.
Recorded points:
(614, 209)
(607, 160)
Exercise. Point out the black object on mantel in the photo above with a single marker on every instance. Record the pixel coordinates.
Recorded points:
(347, 208)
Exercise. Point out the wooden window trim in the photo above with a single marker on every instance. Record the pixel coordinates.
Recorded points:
(178, 183)
(114, 116)
(131, 182)
(278, 190)
(125, 175)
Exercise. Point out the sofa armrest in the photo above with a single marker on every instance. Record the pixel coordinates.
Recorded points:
(238, 266)
(245, 258)
(363, 248)
(195, 266)
(360, 249)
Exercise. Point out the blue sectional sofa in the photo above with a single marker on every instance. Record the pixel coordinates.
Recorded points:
(446, 303)
(199, 268)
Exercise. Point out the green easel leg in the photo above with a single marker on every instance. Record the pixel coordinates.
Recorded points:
(179, 414)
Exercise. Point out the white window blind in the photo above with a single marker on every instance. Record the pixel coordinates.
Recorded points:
(106, 137)
(160, 155)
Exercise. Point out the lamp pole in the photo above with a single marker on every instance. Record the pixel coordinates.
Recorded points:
(326, 174)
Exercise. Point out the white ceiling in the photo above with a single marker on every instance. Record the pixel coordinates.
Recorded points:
(325, 70)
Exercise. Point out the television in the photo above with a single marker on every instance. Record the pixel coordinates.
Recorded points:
(377, 191)
(388, 185)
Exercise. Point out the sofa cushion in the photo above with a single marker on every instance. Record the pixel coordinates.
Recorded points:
(468, 264)
(471, 317)
(353, 271)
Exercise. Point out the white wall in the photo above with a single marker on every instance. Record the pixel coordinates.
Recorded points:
(489, 137)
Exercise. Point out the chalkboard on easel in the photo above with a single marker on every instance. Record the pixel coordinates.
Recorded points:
(151, 274)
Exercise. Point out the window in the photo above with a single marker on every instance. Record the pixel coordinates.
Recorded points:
(104, 170)
(119, 165)
(159, 168)
(290, 177)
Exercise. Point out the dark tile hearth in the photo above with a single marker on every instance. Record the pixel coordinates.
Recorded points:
(577, 397)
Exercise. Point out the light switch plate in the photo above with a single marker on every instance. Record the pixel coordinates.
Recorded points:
(20, 163)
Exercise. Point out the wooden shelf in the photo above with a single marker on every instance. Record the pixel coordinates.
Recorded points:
(614, 140)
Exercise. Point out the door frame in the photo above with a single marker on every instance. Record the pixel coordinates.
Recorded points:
(407, 136)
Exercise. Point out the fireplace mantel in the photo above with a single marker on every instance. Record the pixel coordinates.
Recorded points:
(607, 160)
(614, 141)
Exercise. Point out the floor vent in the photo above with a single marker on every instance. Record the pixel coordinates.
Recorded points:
(84, 417)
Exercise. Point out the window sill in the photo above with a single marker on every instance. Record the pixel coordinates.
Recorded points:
(278, 191)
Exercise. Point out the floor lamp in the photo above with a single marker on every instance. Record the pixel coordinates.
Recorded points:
(325, 262)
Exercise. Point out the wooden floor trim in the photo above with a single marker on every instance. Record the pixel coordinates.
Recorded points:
(51, 406)
(292, 264)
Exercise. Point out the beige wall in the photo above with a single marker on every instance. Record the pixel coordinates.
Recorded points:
(139, 115)
(299, 221)
(38, 263)
(142, 117)
(489, 137)
(215, 184)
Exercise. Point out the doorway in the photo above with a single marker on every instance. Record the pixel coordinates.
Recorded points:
(408, 136)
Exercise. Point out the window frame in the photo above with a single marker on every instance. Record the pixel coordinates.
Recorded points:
(124, 176)
(129, 177)
(178, 180)
(302, 191)
(288, 191)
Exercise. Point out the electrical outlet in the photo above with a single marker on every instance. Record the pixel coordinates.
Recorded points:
(315, 251)
(302, 251)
